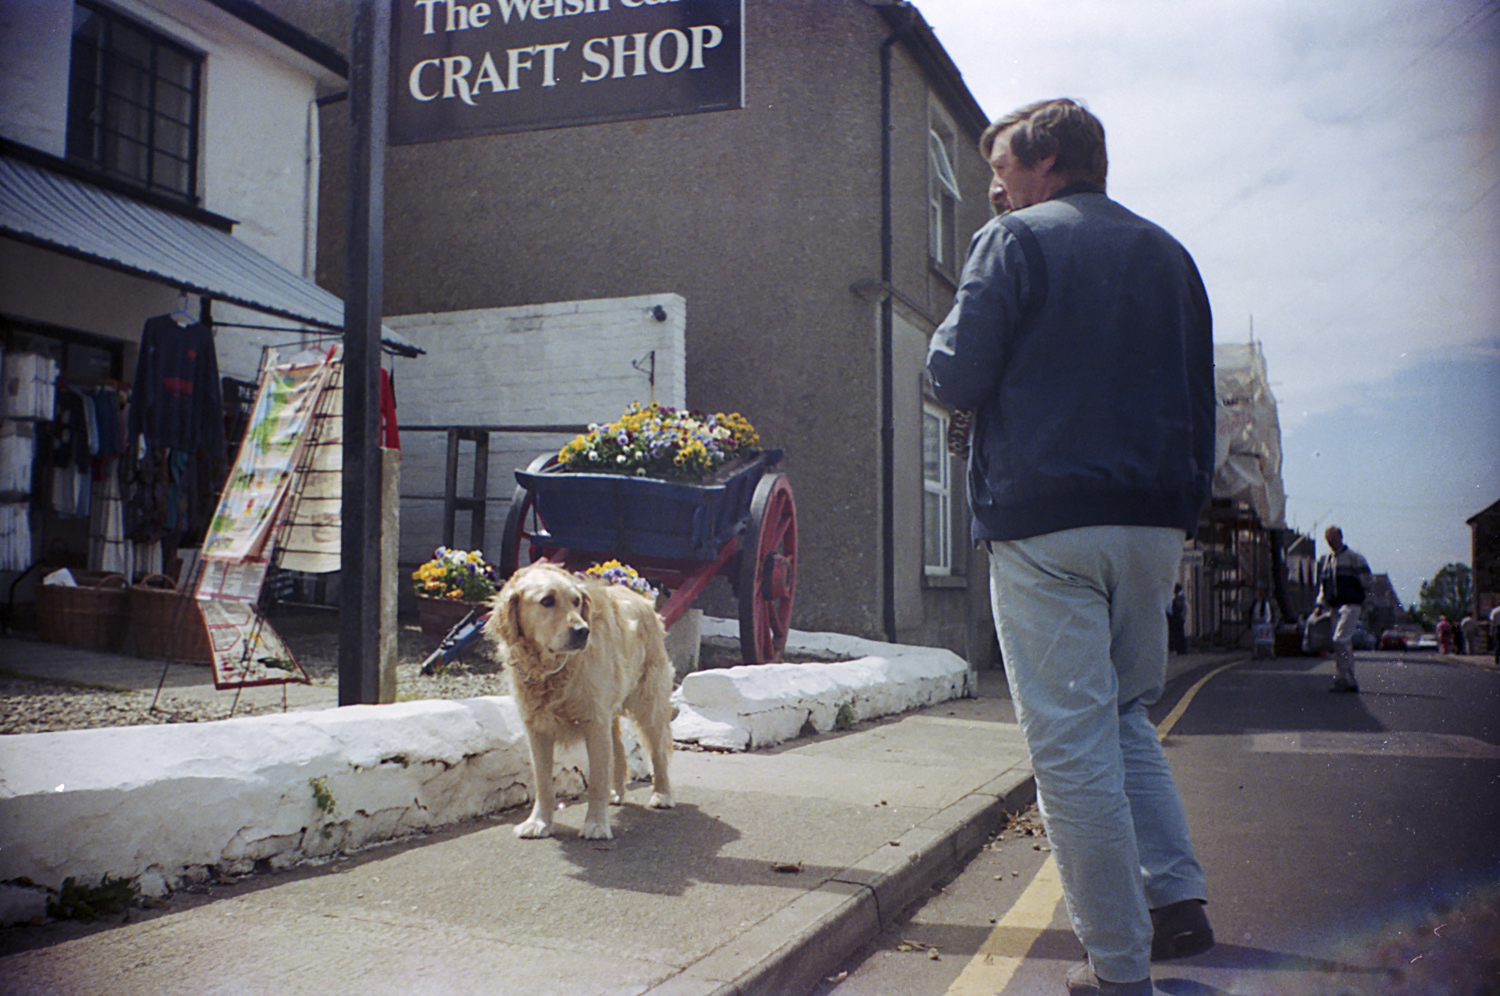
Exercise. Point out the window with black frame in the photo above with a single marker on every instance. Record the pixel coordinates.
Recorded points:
(133, 103)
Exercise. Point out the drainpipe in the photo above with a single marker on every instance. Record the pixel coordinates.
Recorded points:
(887, 332)
(312, 166)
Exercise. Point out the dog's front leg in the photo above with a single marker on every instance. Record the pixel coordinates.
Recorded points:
(617, 778)
(539, 823)
(596, 820)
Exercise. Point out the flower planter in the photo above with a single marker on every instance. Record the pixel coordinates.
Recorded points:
(641, 516)
(438, 616)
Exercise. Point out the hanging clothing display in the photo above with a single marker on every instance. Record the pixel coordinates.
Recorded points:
(27, 385)
(174, 460)
(74, 436)
(15, 536)
(108, 550)
(390, 433)
(27, 396)
(17, 453)
(176, 401)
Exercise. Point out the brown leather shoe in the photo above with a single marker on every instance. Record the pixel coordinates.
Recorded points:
(1180, 930)
(1082, 981)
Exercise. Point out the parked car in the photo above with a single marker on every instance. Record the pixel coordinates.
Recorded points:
(1403, 636)
(1362, 639)
(1426, 641)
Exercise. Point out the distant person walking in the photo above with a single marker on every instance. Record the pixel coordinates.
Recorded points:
(1495, 632)
(1081, 339)
(1445, 635)
(1468, 634)
(1177, 622)
(1343, 579)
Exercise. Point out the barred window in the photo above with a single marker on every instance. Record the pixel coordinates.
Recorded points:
(133, 103)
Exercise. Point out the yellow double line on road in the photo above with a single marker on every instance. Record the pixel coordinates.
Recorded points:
(996, 961)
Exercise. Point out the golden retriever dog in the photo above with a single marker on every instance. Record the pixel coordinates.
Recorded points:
(581, 653)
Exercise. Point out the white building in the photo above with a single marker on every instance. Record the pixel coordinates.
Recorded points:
(156, 156)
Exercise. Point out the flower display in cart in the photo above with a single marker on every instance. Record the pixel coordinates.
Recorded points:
(614, 572)
(659, 441)
(455, 574)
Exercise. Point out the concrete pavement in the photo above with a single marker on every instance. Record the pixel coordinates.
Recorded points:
(775, 865)
(178, 682)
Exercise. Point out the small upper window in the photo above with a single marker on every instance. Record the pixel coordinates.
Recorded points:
(133, 103)
(937, 493)
(943, 199)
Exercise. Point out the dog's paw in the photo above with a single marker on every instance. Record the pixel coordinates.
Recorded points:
(616, 798)
(596, 830)
(661, 800)
(533, 829)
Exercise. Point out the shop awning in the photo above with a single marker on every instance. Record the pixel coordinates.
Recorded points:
(71, 216)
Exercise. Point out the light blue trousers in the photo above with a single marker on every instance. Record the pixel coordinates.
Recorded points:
(1345, 620)
(1081, 617)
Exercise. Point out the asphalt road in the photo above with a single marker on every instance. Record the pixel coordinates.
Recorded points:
(1352, 844)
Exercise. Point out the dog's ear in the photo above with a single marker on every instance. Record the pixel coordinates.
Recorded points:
(586, 607)
(505, 615)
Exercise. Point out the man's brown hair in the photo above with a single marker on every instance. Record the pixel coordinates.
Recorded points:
(1061, 126)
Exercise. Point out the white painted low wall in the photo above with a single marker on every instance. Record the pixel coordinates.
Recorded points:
(755, 706)
(178, 803)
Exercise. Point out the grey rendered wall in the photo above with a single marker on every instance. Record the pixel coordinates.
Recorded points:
(762, 219)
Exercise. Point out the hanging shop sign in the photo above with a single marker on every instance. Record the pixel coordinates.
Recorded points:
(461, 69)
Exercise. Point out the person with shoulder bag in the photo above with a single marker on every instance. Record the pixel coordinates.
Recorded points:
(1343, 579)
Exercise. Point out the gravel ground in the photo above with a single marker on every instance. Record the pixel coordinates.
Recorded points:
(28, 705)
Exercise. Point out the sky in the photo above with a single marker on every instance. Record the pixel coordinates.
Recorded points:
(1334, 169)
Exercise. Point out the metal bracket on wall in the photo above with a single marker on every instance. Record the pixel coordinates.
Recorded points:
(647, 365)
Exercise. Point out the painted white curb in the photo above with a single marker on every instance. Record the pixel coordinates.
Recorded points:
(758, 705)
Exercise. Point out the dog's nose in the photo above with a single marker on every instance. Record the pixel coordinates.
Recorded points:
(578, 636)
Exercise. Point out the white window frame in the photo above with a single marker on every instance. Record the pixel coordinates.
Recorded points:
(939, 490)
(943, 199)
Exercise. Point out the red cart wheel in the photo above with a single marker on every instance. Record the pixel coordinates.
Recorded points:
(521, 523)
(768, 571)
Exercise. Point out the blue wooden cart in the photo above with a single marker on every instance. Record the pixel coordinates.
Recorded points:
(742, 526)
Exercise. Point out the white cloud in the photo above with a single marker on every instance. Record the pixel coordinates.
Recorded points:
(1335, 170)
(1331, 167)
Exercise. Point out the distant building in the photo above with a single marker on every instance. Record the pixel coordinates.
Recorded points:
(1300, 556)
(1382, 606)
(156, 157)
(1237, 556)
(1484, 539)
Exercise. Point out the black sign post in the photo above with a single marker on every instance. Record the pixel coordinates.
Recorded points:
(463, 68)
(359, 603)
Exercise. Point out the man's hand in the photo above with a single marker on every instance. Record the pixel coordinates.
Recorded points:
(959, 424)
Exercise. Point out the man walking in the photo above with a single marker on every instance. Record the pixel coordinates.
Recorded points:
(1082, 339)
(1343, 579)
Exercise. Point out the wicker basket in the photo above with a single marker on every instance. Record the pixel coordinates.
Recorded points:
(166, 623)
(93, 615)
